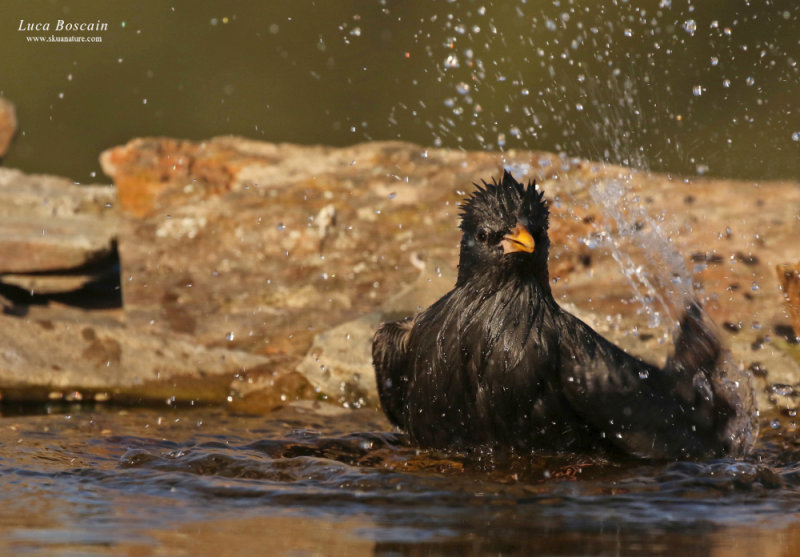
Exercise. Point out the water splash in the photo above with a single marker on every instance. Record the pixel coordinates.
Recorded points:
(663, 285)
(560, 76)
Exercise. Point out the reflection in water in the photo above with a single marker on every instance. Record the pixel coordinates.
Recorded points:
(201, 481)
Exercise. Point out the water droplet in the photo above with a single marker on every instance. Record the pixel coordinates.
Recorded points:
(356, 31)
(782, 389)
(796, 136)
(726, 82)
(281, 226)
(579, 107)
(628, 33)
(714, 60)
(697, 90)
(749, 80)
(462, 88)
(451, 61)
(392, 195)
(644, 374)
(230, 336)
(755, 286)
(775, 424)
(525, 92)
(690, 26)
(501, 140)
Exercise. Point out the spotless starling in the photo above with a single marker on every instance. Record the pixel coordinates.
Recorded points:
(496, 361)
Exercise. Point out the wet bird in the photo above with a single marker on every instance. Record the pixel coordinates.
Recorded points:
(497, 362)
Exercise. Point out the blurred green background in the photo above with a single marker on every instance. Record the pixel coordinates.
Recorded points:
(706, 87)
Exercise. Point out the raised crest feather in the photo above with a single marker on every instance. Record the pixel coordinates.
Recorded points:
(508, 197)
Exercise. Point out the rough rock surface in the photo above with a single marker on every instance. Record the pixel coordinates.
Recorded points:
(295, 251)
(90, 356)
(48, 283)
(8, 125)
(340, 360)
(283, 259)
(789, 277)
(49, 224)
(57, 240)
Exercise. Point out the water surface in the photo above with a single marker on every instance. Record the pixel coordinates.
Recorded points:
(316, 480)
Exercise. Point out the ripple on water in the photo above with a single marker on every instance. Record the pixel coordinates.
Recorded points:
(134, 470)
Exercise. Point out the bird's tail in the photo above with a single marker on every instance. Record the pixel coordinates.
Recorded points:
(706, 377)
(697, 345)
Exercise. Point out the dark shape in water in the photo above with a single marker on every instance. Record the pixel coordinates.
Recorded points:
(496, 361)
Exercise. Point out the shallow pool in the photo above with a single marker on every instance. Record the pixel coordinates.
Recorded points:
(315, 480)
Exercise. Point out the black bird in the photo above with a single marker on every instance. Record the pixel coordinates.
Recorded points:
(497, 362)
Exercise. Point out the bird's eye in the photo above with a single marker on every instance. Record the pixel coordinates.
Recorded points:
(482, 235)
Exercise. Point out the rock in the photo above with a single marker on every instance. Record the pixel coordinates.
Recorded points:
(280, 249)
(50, 224)
(339, 362)
(284, 250)
(259, 272)
(261, 393)
(98, 281)
(8, 125)
(47, 284)
(789, 277)
(83, 357)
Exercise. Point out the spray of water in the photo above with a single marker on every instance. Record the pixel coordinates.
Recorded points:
(662, 285)
(637, 241)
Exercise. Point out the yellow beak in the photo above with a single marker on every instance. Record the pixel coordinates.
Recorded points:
(519, 239)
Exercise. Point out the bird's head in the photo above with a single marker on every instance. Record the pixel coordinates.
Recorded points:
(504, 233)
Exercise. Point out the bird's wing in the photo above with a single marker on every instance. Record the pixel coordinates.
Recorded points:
(644, 410)
(390, 359)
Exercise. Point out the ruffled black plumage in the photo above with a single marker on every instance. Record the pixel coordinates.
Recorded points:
(496, 361)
